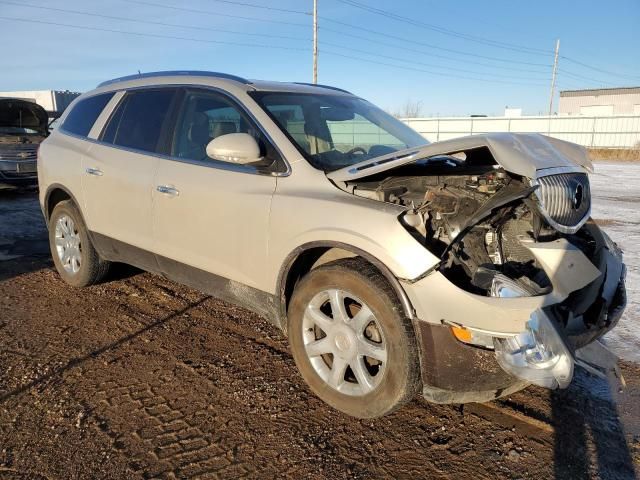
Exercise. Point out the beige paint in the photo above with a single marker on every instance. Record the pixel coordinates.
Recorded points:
(60, 162)
(244, 226)
(118, 203)
(217, 222)
(437, 300)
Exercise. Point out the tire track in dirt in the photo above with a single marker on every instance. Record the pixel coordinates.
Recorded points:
(161, 381)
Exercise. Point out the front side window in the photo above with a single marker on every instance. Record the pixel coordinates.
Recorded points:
(84, 114)
(335, 131)
(139, 118)
(206, 115)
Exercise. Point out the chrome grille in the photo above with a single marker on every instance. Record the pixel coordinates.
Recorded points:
(565, 200)
(19, 152)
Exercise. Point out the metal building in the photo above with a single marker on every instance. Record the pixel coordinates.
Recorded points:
(600, 102)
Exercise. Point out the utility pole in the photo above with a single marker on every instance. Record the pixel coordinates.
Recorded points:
(315, 41)
(553, 77)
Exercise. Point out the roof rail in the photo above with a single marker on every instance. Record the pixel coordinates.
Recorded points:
(172, 73)
(324, 86)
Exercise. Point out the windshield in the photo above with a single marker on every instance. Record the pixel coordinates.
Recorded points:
(335, 131)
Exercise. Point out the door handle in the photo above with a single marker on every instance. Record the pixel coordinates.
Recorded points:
(168, 190)
(94, 171)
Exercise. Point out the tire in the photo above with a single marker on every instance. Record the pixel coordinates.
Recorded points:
(67, 229)
(391, 377)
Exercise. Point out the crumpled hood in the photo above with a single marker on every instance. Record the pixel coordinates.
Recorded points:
(23, 114)
(526, 154)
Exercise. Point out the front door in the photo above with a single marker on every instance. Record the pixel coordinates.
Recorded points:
(207, 214)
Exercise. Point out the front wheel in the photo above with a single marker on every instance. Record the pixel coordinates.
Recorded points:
(73, 254)
(351, 341)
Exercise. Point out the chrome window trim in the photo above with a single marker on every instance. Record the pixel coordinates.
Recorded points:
(203, 163)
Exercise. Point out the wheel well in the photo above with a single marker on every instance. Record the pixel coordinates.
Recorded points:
(313, 257)
(56, 196)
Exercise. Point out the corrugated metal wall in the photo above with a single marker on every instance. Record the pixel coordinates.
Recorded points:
(620, 131)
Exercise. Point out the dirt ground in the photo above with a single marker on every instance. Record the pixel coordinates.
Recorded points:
(140, 377)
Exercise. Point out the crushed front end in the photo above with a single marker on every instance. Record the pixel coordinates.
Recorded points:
(526, 278)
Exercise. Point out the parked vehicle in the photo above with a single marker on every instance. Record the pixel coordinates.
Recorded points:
(23, 126)
(466, 269)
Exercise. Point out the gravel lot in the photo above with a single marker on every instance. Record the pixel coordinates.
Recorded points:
(140, 377)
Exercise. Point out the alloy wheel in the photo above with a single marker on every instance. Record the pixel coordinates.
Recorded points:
(344, 342)
(68, 245)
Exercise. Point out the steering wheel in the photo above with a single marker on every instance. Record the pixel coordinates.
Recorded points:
(359, 150)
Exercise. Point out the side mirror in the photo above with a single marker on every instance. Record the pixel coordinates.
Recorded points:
(238, 148)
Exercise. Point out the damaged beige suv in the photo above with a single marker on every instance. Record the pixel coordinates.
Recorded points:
(464, 269)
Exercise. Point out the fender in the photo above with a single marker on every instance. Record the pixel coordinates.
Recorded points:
(291, 258)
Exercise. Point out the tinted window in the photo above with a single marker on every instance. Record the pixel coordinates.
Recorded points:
(205, 116)
(138, 120)
(85, 113)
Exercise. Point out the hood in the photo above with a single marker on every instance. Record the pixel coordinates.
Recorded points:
(526, 154)
(23, 114)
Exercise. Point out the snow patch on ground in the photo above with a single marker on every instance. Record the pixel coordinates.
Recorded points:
(616, 206)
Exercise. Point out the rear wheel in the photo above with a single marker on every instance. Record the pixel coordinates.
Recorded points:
(73, 254)
(351, 341)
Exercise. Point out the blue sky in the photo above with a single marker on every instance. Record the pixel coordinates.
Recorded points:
(390, 61)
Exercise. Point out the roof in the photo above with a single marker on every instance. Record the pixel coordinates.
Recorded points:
(600, 91)
(260, 85)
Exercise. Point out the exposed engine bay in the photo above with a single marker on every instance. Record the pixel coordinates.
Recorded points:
(474, 215)
(523, 270)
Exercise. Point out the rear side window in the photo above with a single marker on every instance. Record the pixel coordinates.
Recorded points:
(84, 114)
(138, 120)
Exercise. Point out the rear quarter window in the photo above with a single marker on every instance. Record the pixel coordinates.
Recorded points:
(84, 114)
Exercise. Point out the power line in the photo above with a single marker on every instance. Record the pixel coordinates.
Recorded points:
(435, 55)
(151, 22)
(405, 67)
(412, 61)
(252, 45)
(153, 35)
(596, 69)
(583, 78)
(264, 7)
(390, 36)
(433, 46)
(446, 31)
(192, 27)
(344, 24)
(217, 14)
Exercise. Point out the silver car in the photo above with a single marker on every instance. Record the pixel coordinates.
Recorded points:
(464, 269)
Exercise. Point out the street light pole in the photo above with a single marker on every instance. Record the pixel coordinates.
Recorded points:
(315, 41)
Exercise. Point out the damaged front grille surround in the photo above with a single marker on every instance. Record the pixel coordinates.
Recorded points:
(564, 200)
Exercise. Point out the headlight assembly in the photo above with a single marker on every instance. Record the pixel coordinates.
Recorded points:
(538, 355)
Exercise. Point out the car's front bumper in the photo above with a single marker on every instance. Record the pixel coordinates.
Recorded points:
(587, 301)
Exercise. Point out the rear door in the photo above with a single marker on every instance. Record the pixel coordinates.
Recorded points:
(209, 214)
(119, 171)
